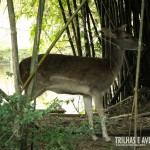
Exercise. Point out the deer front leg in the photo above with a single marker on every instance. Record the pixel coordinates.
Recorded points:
(98, 100)
(88, 109)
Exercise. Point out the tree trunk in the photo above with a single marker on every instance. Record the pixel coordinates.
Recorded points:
(15, 61)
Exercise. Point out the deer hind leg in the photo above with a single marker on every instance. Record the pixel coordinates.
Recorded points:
(98, 100)
(88, 109)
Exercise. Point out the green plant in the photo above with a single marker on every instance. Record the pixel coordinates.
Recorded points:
(55, 104)
(59, 138)
(50, 134)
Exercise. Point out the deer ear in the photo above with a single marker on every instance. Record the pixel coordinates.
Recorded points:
(123, 27)
(108, 32)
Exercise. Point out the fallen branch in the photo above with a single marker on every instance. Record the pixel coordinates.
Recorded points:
(116, 105)
(129, 115)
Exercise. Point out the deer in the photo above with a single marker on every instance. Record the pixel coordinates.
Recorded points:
(88, 76)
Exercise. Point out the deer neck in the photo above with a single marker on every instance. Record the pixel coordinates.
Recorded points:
(115, 58)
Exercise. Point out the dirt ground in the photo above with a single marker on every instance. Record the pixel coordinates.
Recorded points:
(100, 144)
(116, 128)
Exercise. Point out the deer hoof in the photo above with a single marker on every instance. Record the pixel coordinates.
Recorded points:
(108, 139)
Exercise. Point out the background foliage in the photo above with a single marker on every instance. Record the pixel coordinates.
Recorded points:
(81, 39)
